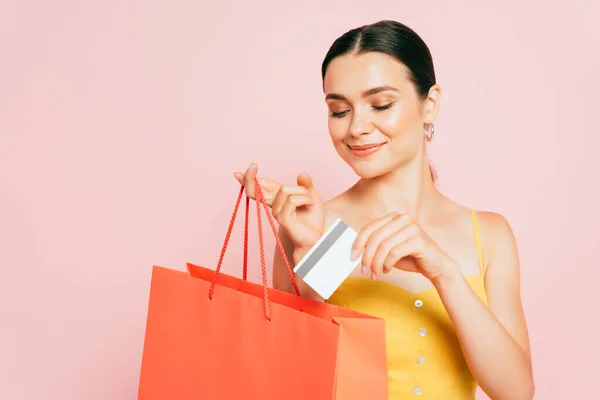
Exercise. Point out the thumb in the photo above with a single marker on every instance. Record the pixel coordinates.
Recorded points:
(305, 180)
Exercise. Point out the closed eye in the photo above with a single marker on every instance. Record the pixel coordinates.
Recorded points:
(383, 108)
(339, 114)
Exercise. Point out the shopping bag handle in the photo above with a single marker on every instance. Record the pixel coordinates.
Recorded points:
(259, 199)
(288, 266)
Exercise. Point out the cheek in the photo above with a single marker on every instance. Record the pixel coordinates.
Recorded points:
(399, 122)
(337, 129)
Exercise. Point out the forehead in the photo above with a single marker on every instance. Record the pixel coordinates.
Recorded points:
(352, 74)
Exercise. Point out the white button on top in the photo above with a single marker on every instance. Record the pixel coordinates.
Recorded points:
(421, 360)
(417, 390)
(422, 331)
(418, 303)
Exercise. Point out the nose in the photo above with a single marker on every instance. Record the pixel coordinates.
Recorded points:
(360, 125)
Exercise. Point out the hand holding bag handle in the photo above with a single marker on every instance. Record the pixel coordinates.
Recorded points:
(259, 200)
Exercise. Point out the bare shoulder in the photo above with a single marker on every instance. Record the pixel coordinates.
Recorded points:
(496, 227)
(498, 240)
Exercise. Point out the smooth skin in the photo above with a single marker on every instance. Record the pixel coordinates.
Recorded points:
(410, 234)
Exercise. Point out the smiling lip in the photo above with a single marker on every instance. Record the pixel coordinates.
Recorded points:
(365, 149)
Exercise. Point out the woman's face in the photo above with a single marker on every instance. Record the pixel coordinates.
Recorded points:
(376, 118)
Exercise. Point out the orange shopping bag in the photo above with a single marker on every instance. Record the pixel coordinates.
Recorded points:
(210, 335)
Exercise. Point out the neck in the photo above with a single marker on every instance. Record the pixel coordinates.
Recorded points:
(407, 189)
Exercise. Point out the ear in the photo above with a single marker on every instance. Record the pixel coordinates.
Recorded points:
(432, 104)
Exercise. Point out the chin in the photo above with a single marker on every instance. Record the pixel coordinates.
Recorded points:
(369, 170)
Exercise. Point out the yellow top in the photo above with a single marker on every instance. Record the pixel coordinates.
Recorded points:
(425, 360)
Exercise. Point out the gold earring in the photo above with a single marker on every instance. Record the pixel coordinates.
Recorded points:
(429, 132)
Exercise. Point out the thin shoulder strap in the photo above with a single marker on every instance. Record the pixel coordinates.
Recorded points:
(477, 240)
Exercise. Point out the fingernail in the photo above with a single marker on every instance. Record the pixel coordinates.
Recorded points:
(373, 275)
(363, 270)
(353, 255)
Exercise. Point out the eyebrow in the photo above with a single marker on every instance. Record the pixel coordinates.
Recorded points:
(366, 93)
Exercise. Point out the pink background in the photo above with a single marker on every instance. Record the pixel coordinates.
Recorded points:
(121, 123)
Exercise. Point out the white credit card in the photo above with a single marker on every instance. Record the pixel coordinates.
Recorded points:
(325, 267)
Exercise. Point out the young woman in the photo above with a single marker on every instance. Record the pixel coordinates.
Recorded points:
(444, 277)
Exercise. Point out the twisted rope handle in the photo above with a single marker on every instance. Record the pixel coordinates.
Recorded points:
(263, 264)
(245, 272)
(259, 199)
(274, 229)
(227, 237)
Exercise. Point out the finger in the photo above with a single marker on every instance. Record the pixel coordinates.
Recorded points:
(405, 249)
(249, 180)
(282, 195)
(269, 189)
(389, 252)
(278, 203)
(288, 211)
(366, 231)
(251, 172)
(304, 180)
(269, 185)
(381, 253)
(382, 241)
(373, 233)
(239, 176)
(293, 189)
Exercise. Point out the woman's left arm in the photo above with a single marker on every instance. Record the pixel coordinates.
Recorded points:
(494, 339)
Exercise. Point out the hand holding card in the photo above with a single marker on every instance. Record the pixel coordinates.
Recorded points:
(397, 241)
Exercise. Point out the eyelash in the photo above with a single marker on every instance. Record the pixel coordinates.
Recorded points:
(376, 109)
